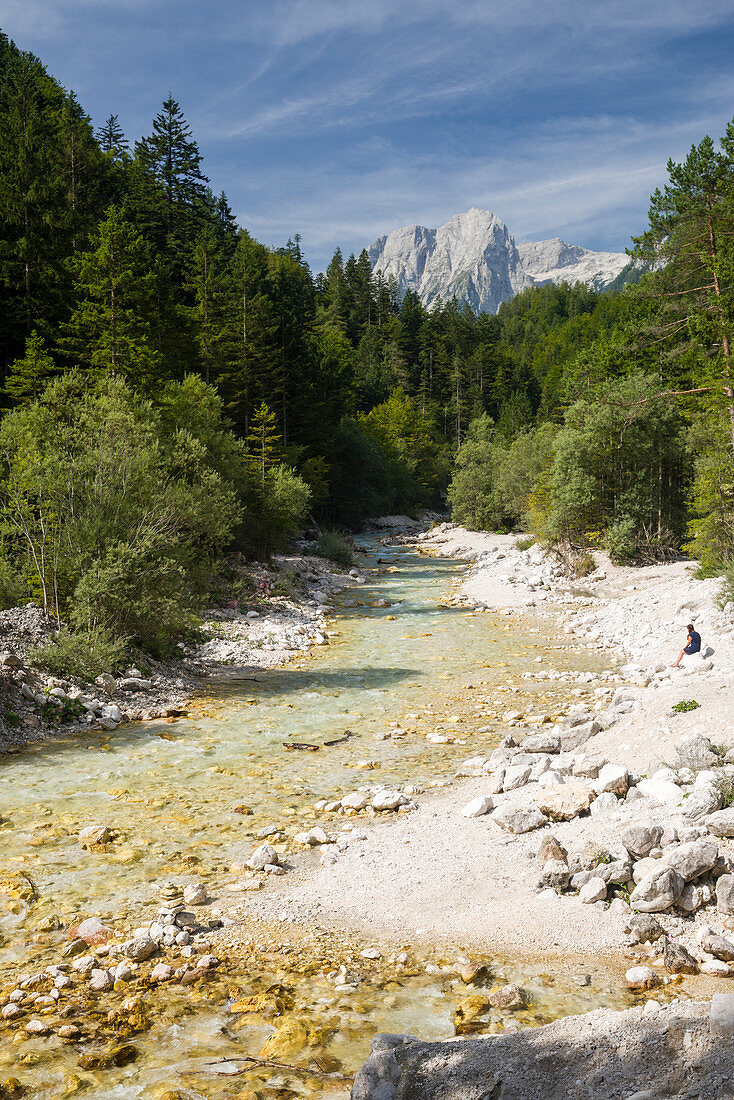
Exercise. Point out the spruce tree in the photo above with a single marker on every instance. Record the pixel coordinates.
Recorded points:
(171, 156)
(27, 377)
(111, 331)
(111, 138)
(263, 441)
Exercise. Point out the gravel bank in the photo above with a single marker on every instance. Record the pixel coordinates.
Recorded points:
(285, 615)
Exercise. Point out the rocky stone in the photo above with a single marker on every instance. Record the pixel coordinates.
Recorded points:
(721, 1017)
(516, 777)
(612, 779)
(692, 898)
(643, 927)
(263, 856)
(725, 894)
(703, 801)
(133, 683)
(566, 803)
(69, 1031)
(657, 891)
(551, 849)
(478, 806)
(506, 997)
(92, 930)
(721, 822)
(641, 977)
(84, 964)
(542, 742)
(37, 1027)
(593, 890)
(660, 790)
(693, 859)
(388, 800)
(678, 960)
(140, 948)
(101, 981)
(695, 752)
(161, 972)
(195, 893)
(715, 968)
(555, 874)
(518, 820)
(356, 800)
(94, 834)
(604, 803)
(640, 838)
(106, 682)
(717, 945)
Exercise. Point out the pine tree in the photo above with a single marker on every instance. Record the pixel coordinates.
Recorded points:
(171, 156)
(33, 211)
(111, 138)
(111, 330)
(206, 280)
(691, 243)
(27, 377)
(263, 440)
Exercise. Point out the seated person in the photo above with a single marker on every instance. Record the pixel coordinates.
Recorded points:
(693, 645)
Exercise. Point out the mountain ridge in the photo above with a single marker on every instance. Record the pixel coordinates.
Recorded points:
(475, 258)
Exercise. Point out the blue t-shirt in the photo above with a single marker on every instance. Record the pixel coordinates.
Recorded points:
(694, 646)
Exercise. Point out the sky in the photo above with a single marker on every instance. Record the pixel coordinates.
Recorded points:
(343, 119)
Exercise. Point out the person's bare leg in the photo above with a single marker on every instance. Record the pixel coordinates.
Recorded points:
(675, 664)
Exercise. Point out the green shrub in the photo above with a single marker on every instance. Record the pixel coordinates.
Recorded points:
(118, 509)
(13, 588)
(685, 705)
(584, 564)
(725, 786)
(524, 544)
(81, 654)
(334, 546)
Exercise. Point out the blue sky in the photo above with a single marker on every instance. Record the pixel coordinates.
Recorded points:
(342, 119)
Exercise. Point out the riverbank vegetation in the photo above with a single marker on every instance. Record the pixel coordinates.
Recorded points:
(173, 390)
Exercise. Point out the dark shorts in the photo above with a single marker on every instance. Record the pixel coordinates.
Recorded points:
(692, 648)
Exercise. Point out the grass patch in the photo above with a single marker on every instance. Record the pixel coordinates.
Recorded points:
(725, 787)
(525, 544)
(685, 705)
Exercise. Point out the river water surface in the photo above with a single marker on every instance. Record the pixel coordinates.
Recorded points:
(186, 801)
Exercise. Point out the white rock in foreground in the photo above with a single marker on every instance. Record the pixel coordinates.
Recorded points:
(478, 806)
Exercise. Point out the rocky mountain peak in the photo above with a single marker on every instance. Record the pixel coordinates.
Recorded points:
(474, 258)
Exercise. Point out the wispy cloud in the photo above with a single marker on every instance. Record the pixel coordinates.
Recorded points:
(343, 118)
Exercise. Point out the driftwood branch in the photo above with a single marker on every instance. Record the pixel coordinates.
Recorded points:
(268, 1063)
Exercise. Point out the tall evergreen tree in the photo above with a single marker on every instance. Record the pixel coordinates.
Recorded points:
(111, 138)
(111, 331)
(27, 377)
(171, 156)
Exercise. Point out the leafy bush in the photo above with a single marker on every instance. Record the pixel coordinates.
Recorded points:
(275, 510)
(334, 546)
(81, 654)
(725, 786)
(618, 473)
(119, 509)
(13, 589)
(685, 705)
(584, 564)
(524, 544)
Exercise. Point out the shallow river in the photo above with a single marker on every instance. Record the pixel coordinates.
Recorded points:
(186, 800)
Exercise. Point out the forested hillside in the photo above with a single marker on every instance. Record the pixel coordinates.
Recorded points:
(173, 389)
